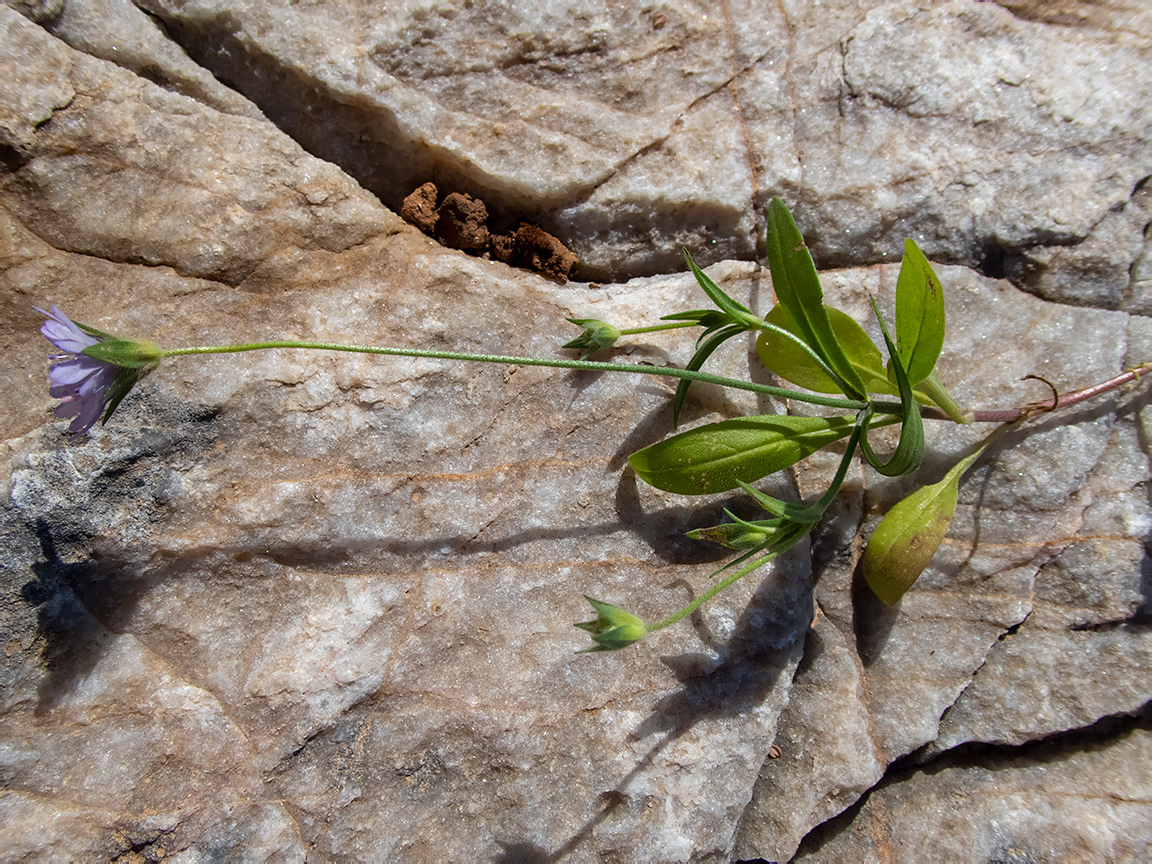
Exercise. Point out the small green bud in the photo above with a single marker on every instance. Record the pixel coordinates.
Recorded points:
(126, 353)
(613, 628)
(741, 534)
(597, 336)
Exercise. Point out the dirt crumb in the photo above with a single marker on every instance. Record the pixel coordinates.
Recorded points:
(419, 208)
(542, 252)
(463, 222)
(504, 247)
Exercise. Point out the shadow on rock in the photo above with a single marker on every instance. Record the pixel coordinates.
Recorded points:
(758, 652)
(75, 636)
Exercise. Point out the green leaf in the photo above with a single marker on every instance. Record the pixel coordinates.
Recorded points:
(907, 538)
(910, 449)
(919, 314)
(798, 289)
(704, 349)
(718, 456)
(791, 363)
(737, 311)
(797, 513)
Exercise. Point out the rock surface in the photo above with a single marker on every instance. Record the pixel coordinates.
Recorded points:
(298, 606)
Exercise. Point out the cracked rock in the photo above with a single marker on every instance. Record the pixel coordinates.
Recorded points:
(296, 605)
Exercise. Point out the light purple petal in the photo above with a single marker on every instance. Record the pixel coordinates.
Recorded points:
(72, 372)
(63, 333)
(94, 386)
(70, 407)
(89, 413)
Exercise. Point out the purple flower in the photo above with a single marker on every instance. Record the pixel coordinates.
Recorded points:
(88, 385)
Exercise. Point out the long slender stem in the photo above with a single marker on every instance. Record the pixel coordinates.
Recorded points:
(1067, 400)
(656, 328)
(586, 365)
(714, 590)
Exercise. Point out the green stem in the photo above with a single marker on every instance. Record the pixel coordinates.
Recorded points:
(586, 365)
(934, 387)
(656, 328)
(715, 589)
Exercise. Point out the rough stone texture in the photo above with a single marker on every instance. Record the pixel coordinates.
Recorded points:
(1057, 803)
(1003, 136)
(118, 31)
(297, 606)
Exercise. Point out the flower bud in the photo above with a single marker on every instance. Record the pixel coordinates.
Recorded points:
(597, 336)
(740, 534)
(126, 353)
(613, 628)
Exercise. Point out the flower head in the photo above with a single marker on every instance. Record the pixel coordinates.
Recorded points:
(613, 628)
(597, 336)
(94, 372)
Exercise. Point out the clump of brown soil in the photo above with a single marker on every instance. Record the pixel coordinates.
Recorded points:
(533, 247)
(419, 208)
(461, 222)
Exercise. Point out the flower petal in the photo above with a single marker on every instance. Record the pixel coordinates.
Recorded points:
(89, 413)
(70, 407)
(72, 372)
(63, 333)
(96, 385)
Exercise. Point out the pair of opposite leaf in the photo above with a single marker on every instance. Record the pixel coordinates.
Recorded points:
(824, 350)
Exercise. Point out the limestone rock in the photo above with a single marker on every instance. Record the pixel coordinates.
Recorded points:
(994, 134)
(293, 605)
(1056, 803)
(118, 31)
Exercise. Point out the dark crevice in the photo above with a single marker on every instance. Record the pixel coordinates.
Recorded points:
(1051, 749)
(363, 138)
(996, 262)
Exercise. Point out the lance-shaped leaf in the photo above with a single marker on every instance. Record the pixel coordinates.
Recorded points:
(798, 289)
(736, 311)
(718, 456)
(792, 363)
(907, 538)
(919, 314)
(910, 449)
(707, 344)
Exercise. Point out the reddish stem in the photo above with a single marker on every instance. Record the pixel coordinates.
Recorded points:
(1011, 415)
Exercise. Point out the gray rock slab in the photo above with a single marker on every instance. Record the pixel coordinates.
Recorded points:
(1065, 803)
(290, 605)
(997, 135)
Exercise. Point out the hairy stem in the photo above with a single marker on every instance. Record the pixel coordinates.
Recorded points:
(585, 365)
